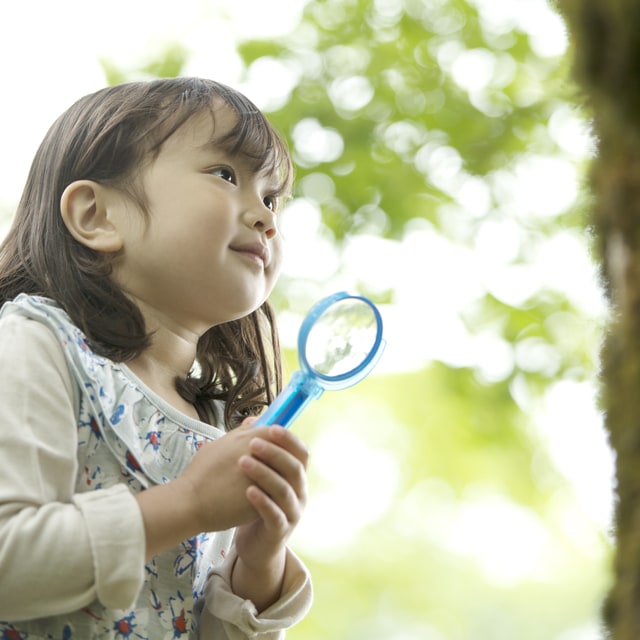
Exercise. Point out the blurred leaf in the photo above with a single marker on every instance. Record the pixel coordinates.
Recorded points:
(472, 531)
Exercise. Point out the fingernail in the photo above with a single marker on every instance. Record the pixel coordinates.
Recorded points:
(258, 444)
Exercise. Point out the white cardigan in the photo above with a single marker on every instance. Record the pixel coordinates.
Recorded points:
(71, 539)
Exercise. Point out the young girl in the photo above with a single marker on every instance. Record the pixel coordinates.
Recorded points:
(136, 499)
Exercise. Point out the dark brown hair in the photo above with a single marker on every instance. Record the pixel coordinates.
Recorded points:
(106, 137)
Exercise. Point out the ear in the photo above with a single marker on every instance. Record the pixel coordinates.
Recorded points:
(85, 206)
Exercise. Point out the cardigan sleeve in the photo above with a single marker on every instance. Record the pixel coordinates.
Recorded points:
(59, 550)
(226, 616)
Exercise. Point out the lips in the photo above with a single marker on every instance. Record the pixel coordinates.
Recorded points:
(255, 250)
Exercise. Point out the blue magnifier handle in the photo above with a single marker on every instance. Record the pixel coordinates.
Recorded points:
(290, 402)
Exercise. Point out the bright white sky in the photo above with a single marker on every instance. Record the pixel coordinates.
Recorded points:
(50, 52)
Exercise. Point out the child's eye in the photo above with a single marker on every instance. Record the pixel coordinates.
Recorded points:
(224, 173)
(271, 202)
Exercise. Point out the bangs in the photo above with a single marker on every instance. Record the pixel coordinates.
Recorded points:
(255, 139)
(252, 137)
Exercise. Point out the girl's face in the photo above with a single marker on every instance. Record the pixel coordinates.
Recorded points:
(209, 251)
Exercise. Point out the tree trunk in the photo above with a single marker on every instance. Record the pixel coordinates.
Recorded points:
(606, 39)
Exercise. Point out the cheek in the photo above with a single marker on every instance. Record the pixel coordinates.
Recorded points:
(277, 256)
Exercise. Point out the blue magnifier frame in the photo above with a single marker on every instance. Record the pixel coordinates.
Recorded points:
(308, 383)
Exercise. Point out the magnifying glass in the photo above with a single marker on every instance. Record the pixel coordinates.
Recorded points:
(339, 343)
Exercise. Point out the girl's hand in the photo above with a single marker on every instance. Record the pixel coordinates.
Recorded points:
(276, 468)
(210, 495)
(217, 482)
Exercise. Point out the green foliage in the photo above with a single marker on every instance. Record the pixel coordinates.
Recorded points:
(379, 74)
(381, 80)
(436, 510)
(425, 567)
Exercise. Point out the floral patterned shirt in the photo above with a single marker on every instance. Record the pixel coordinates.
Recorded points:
(126, 437)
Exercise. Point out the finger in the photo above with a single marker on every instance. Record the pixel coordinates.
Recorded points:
(248, 424)
(281, 461)
(249, 429)
(290, 442)
(274, 519)
(288, 498)
(269, 480)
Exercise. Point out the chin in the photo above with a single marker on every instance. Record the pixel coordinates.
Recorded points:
(247, 310)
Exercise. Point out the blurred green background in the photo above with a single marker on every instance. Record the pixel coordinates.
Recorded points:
(463, 491)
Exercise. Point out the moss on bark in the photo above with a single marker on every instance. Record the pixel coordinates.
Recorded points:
(605, 38)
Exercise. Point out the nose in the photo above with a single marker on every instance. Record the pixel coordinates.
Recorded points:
(260, 217)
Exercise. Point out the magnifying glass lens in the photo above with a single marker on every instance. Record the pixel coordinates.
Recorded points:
(339, 343)
(342, 337)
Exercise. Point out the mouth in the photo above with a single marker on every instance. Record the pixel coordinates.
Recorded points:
(255, 251)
